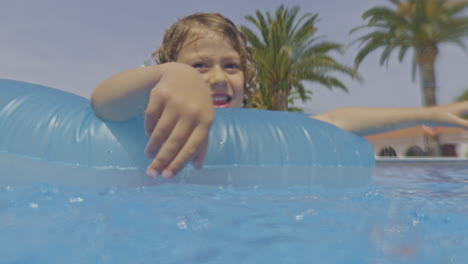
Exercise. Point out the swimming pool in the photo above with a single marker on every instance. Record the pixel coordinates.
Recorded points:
(401, 214)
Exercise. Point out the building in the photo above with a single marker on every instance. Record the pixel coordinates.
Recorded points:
(410, 141)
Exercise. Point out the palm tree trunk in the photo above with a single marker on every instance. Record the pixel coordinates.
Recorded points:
(280, 99)
(426, 59)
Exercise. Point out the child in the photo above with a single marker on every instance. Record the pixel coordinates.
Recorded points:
(204, 63)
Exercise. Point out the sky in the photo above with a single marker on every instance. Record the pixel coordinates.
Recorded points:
(74, 45)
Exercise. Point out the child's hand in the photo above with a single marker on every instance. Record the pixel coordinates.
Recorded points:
(450, 113)
(178, 118)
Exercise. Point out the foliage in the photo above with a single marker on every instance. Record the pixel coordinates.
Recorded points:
(412, 25)
(287, 53)
(463, 96)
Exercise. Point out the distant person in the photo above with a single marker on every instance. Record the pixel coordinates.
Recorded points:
(204, 63)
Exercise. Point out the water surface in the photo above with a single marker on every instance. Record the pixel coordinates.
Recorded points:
(404, 214)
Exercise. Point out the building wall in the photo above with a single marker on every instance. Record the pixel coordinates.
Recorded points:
(402, 144)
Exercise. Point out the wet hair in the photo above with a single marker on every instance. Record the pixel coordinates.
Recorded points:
(187, 28)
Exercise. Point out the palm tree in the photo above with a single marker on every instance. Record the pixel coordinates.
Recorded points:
(417, 25)
(287, 53)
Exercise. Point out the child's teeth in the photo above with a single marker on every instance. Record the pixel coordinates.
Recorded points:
(221, 98)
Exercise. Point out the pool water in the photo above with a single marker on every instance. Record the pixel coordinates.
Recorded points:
(404, 214)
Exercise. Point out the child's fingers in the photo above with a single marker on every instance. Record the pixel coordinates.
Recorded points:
(192, 147)
(153, 113)
(463, 107)
(460, 121)
(164, 128)
(200, 156)
(174, 143)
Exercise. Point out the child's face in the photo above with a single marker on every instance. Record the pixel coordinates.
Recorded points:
(219, 64)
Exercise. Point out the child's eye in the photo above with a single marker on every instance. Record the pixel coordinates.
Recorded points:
(233, 66)
(199, 65)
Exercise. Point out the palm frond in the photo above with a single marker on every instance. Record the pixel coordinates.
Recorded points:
(322, 48)
(384, 58)
(459, 43)
(402, 52)
(381, 36)
(456, 8)
(261, 24)
(254, 41)
(396, 2)
(369, 47)
(383, 14)
(414, 67)
(456, 28)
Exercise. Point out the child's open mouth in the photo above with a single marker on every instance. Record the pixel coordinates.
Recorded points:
(221, 100)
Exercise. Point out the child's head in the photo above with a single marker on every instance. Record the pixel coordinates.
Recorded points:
(190, 27)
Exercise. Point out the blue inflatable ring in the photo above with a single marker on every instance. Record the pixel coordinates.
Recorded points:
(48, 135)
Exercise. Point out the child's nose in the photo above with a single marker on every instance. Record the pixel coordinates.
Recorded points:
(217, 78)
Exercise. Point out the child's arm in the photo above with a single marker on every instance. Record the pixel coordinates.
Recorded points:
(178, 111)
(367, 121)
